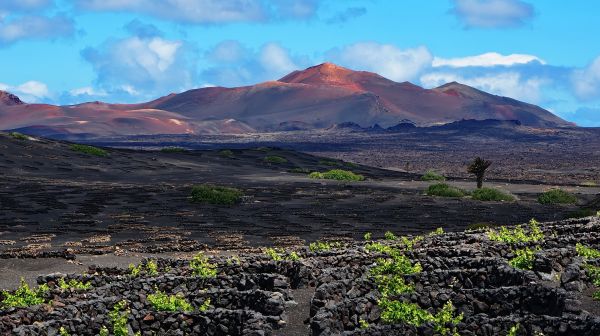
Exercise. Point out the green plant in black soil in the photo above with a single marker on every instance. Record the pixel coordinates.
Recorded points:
(90, 150)
(299, 170)
(173, 150)
(18, 136)
(557, 196)
(172, 303)
(216, 195)
(491, 194)
(322, 246)
(73, 284)
(24, 296)
(394, 311)
(280, 254)
(518, 234)
(202, 268)
(337, 174)
(524, 258)
(478, 168)
(444, 190)
(119, 317)
(226, 153)
(275, 159)
(149, 268)
(430, 175)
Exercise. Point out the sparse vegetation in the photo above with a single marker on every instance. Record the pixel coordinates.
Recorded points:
(513, 330)
(480, 226)
(491, 194)
(280, 254)
(524, 258)
(410, 313)
(478, 168)
(437, 232)
(63, 332)
(226, 153)
(444, 190)
(275, 159)
(389, 235)
(518, 234)
(173, 150)
(216, 195)
(119, 317)
(587, 252)
(73, 284)
(299, 170)
(337, 174)
(431, 175)
(18, 136)
(90, 150)
(368, 236)
(201, 267)
(172, 303)
(24, 296)
(320, 246)
(149, 268)
(557, 196)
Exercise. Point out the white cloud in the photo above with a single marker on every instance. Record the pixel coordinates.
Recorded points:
(136, 65)
(300, 9)
(586, 82)
(493, 13)
(384, 59)
(276, 60)
(35, 27)
(31, 91)
(190, 11)
(87, 91)
(508, 84)
(490, 59)
(227, 51)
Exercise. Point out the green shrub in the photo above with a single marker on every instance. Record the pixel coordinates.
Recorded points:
(275, 159)
(226, 153)
(430, 175)
(73, 284)
(436, 232)
(392, 285)
(337, 174)
(24, 296)
(513, 330)
(201, 267)
(171, 303)
(596, 295)
(368, 236)
(150, 268)
(216, 195)
(63, 332)
(410, 313)
(389, 235)
(557, 196)
(444, 190)
(587, 252)
(523, 259)
(491, 194)
(18, 136)
(518, 234)
(320, 246)
(410, 243)
(480, 226)
(173, 150)
(205, 305)
(119, 317)
(91, 150)
(397, 264)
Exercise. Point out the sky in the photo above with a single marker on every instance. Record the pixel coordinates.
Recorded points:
(65, 52)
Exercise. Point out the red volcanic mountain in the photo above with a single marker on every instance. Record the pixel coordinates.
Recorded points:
(317, 97)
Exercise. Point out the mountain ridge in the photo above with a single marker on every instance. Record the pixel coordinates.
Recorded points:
(314, 98)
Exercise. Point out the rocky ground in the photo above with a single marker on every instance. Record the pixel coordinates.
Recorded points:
(333, 290)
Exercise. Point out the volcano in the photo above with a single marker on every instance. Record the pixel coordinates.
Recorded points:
(314, 98)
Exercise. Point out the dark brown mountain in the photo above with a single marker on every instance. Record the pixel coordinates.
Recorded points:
(317, 97)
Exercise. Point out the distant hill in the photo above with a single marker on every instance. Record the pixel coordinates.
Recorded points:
(321, 96)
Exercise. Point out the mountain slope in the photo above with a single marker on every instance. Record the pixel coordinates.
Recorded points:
(317, 97)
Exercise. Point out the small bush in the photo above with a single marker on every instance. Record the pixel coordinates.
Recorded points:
(368, 236)
(436, 232)
(91, 150)
(275, 159)
(173, 150)
(523, 259)
(320, 246)
(480, 226)
(337, 174)
(389, 235)
(299, 170)
(587, 252)
(18, 136)
(202, 268)
(491, 194)
(215, 195)
(73, 284)
(226, 153)
(557, 196)
(171, 303)
(444, 190)
(24, 296)
(150, 268)
(518, 234)
(432, 176)
(410, 313)
(63, 332)
(119, 317)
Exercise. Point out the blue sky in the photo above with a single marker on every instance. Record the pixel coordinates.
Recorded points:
(65, 52)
